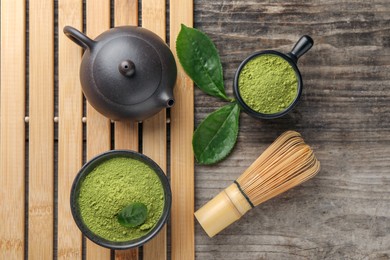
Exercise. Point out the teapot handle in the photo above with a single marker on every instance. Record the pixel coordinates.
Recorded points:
(78, 37)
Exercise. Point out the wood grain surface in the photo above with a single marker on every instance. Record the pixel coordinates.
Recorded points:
(12, 130)
(344, 212)
(41, 130)
(98, 126)
(70, 128)
(182, 158)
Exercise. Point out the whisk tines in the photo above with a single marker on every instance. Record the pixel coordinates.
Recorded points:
(286, 163)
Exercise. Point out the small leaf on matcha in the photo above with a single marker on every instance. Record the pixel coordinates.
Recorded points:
(133, 215)
(199, 58)
(216, 135)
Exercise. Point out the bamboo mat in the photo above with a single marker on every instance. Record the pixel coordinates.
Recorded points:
(43, 139)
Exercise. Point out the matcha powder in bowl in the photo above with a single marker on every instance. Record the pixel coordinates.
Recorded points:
(268, 84)
(111, 182)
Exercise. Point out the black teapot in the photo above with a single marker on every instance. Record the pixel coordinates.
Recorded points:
(127, 72)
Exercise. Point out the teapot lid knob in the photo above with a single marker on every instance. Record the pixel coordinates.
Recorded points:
(127, 68)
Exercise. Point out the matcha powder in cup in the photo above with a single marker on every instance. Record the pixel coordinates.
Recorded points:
(268, 84)
(111, 186)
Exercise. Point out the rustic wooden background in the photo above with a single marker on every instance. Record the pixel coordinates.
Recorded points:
(344, 212)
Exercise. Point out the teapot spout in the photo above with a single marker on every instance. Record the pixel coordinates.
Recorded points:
(170, 102)
(166, 100)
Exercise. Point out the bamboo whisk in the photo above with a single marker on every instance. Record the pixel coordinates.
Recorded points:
(286, 163)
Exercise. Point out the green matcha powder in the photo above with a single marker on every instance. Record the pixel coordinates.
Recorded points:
(113, 185)
(268, 84)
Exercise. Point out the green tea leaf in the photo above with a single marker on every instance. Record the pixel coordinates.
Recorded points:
(200, 60)
(216, 135)
(133, 215)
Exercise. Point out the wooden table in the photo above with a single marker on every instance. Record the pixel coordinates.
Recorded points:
(344, 114)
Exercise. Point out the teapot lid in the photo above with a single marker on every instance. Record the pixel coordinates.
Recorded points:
(128, 64)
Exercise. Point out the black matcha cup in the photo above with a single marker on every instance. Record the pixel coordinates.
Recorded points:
(301, 47)
(83, 173)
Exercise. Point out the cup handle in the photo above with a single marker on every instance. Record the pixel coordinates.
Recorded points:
(301, 47)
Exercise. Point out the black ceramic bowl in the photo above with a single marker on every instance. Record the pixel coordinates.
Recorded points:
(301, 47)
(87, 168)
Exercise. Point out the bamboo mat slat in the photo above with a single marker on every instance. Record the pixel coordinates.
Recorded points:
(154, 129)
(70, 129)
(182, 159)
(41, 130)
(126, 135)
(125, 12)
(126, 132)
(12, 129)
(98, 126)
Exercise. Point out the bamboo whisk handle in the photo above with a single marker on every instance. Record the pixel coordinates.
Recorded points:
(224, 209)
